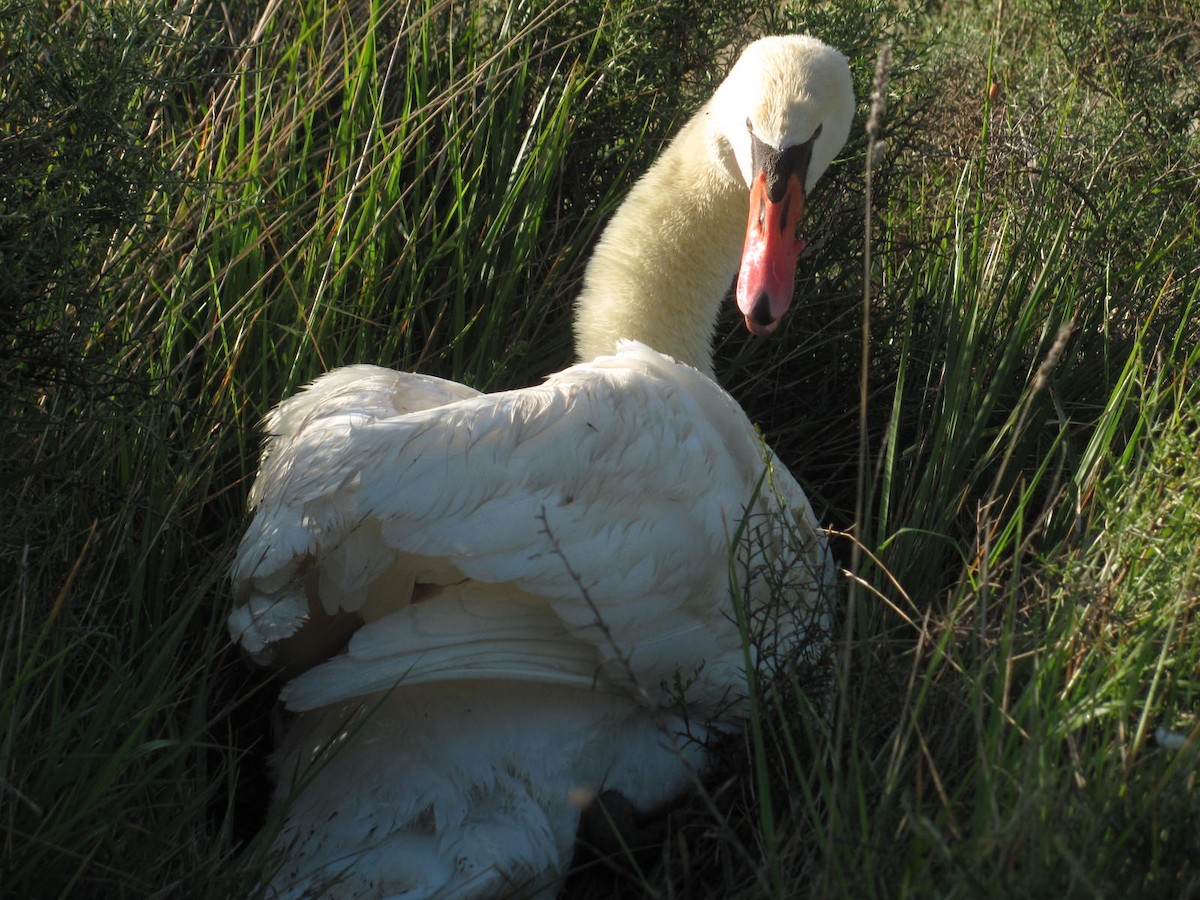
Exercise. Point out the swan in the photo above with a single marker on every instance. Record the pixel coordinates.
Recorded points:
(495, 608)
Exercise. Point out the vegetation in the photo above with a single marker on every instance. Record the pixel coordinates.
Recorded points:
(205, 205)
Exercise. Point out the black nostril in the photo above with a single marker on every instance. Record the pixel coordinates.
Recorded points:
(760, 313)
(783, 213)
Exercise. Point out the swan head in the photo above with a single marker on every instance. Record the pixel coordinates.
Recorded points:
(783, 113)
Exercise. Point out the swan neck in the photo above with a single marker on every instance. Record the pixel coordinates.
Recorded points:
(669, 255)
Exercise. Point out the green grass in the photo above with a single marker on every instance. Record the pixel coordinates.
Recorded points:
(205, 206)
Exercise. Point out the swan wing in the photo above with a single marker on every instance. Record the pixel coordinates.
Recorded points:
(468, 631)
(370, 391)
(603, 503)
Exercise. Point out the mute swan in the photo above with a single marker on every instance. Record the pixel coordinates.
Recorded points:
(538, 582)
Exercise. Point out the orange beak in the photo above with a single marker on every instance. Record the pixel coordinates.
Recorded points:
(768, 271)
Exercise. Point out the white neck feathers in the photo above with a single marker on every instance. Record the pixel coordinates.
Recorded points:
(669, 254)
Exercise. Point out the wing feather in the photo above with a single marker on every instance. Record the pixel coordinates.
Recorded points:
(610, 495)
(468, 631)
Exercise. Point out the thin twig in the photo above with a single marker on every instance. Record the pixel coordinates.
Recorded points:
(65, 591)
(874, 120)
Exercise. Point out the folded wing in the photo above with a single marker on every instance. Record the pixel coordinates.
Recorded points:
(578, 532)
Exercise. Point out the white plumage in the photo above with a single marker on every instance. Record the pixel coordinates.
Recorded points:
(501, 605)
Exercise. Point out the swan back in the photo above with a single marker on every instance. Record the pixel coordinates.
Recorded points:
(537, 491)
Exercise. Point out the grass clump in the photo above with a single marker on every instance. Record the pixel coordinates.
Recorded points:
(1025, 352)
(73, 174)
